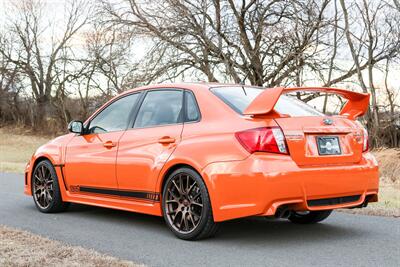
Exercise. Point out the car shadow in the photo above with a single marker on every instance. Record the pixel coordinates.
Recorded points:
(252, 230)
(258, 230)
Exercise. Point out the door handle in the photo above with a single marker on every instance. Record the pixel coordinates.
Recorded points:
(166, 140)
(109, 144)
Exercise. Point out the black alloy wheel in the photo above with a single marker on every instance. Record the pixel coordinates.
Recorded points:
(186, 205)
(45, 188)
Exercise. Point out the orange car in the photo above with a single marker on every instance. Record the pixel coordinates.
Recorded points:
(199, 154)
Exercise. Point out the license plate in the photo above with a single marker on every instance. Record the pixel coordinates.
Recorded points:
(328, 145)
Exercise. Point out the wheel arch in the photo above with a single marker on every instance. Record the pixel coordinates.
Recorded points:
(42, 157)
(172, 166)
(170, 170)
(36, 161)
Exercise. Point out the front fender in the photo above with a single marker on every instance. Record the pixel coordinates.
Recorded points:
(54, 151)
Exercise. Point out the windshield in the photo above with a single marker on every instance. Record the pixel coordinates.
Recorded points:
(239, 98)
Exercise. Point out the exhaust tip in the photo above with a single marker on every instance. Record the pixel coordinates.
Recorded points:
(283, 212)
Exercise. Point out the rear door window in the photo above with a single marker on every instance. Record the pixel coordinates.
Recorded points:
(239, 98)
(160, 107)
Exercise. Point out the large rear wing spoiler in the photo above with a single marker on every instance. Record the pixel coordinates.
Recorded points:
(264, 103)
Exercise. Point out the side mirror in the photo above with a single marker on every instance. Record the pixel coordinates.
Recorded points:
(75, 127)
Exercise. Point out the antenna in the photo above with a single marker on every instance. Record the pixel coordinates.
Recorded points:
(244, 78)
(242, 82)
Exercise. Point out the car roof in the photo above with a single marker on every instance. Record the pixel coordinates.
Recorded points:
(194, 86)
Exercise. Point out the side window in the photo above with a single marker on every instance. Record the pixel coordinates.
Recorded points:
(114, 117)
(192, 109)
(159, 108)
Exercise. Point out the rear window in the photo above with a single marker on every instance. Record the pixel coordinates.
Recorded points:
(239, 98)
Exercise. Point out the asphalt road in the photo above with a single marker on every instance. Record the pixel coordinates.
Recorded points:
(342, 240)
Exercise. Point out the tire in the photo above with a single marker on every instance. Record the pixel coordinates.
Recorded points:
(309, 218)
(46, 189)
(183, 193)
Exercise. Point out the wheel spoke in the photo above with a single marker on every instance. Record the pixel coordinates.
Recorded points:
(183, 210)
(43, 186)
(176, 216)
(48, 174)
(182, 222)
(43, 199)
(187, 183)
(173, 194)
(191, 187)
(38, 179)
(197, 204)
(185, 220)
(195, 214)
(47, 201)
(49, 197)
(177, 188)
(196, 196)
(191, 219)
(42, 172)
(181, 184)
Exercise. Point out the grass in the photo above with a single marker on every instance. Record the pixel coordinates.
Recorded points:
(20, 248)
(17, 148)
(389, 189)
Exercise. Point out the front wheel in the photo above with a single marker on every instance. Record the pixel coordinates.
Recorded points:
(45, 188)
(187, 207)
(309, 217)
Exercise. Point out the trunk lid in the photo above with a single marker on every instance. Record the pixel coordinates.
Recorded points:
(302, 135)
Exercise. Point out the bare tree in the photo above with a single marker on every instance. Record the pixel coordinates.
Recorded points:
(397, 4)
(109, 53)
(260, 41)
(9, 90)
(33, 54)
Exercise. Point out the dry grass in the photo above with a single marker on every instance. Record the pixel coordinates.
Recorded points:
(389, 189)
(389, 165)
(20, 248)
(17, 148)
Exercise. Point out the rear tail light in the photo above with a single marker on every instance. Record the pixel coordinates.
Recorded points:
(265, 139)
(365, 140)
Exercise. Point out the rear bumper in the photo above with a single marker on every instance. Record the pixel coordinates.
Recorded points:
(261, 183)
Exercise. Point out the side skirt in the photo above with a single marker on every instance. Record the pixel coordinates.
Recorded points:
(139, 195)
(134, 201)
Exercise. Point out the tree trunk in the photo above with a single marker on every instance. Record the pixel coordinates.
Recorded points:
(40, 115)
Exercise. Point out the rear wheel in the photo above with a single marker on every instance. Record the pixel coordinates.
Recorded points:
(187, 207)
(309, 217)
(45, 189)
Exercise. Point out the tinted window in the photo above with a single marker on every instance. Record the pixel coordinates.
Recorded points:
(192, 110)
(115, 117)
(240, 98)
(160, 108)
